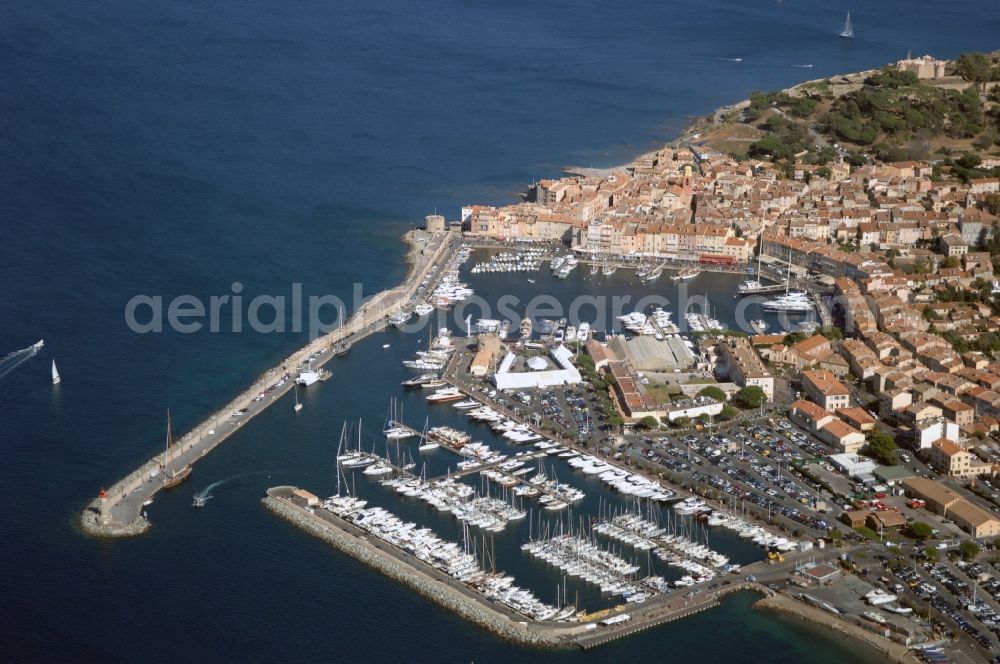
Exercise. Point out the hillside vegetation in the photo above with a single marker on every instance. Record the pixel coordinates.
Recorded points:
(887, 114)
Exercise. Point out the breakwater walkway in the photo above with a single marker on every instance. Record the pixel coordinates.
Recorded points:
(118, 511)
(417, 575)
(475, 607)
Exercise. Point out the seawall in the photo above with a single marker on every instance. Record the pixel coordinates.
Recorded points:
(788, 606)
(436, 590)
(123, 507)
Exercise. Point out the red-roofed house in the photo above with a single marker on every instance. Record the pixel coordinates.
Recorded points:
(843, 436)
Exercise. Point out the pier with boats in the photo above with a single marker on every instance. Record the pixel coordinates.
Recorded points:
(604, 552)
(466, 581)
(629, 560)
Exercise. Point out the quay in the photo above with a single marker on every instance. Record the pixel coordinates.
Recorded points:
(417, 575)
(529, 455)
(591, 631)
(118, 510)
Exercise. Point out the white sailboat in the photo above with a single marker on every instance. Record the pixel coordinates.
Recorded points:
(55, 374)
(848, 31)
(427, 445)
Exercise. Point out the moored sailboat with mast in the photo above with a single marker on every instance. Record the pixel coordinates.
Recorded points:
(172, 477)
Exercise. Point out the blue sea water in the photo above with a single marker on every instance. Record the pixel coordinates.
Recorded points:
(177, 148)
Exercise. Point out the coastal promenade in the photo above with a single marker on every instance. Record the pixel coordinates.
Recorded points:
(118, 511)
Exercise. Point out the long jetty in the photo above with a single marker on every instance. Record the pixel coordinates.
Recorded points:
(592, 630)
(118, 510)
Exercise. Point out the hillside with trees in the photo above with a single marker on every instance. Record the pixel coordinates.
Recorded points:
(886, 114)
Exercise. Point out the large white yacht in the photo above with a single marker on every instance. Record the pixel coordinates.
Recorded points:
(792, 302)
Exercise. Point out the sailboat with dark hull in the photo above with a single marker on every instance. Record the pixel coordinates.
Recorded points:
(171, 476)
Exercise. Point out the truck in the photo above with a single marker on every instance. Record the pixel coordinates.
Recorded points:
(916, 503)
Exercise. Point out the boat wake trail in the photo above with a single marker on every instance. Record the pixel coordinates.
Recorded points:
(206, 494)
(12, 361)
(730, 59)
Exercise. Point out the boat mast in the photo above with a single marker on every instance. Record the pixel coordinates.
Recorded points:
(340, 444)
(760, 255)
(167, 455)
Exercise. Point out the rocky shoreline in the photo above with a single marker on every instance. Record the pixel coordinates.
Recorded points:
(464, 607)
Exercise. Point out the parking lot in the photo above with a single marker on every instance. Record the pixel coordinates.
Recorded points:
(952, 594)
(759, 465)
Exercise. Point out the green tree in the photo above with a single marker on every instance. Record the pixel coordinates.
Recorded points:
(881, 447)
(969, 160)
(714, 392)
(648, 422)
(991, 203)
(931, 554)
(951, 262)
(682, 421)
(986, 140)
(975, 68)
(920, 530)
(793, 338)
(856, 159)
(728, 412)
(615, 420)
(968, 549)
(750, 396)
(831, 332)
(836, 534)
(893, 78)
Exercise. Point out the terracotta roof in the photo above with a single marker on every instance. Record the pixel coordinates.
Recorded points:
(825, 382)
(766, 339)
(809, 346)
(972, 514)
(858, 414)
(809, 409)
(889, 518)
(931, 490)
(947, 447)
(840, 429)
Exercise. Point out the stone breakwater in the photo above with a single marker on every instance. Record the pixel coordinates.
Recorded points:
(434, 590)
(476, 608)
(125, 516)
(892, 651)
